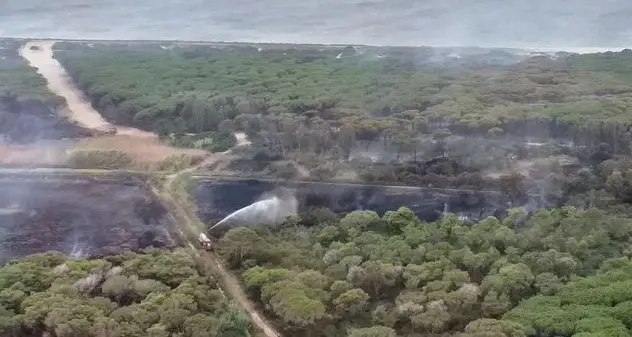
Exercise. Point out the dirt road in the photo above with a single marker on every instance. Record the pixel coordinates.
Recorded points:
(39, 54)
(231, 284)
(143, 146)
(188, 221)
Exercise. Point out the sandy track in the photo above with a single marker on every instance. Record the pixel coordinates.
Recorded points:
(232, 285)
(39, 54)
(143, 146)
(143, 150)
(229, 283)
(140, 144)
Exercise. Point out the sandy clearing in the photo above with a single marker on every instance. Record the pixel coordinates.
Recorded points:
(39, 54)
(138, 143)
(143, 149)
(143, 146)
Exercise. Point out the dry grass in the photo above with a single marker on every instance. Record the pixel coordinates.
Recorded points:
(146, 153)
(100, 159)
(179, 162)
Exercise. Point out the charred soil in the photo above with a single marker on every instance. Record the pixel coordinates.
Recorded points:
(80, 216)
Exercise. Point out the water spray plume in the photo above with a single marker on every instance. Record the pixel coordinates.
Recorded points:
(271, 211)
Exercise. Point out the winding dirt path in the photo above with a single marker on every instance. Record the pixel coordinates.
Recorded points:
(145, 147)
(39, 54)
(229, 283)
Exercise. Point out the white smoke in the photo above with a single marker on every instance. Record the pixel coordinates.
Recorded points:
(77, 251)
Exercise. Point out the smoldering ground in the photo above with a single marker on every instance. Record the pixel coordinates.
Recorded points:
(80, 216)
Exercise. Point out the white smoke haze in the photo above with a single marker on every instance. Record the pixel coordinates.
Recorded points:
(570, 25)
(77, 251)
(271, 209)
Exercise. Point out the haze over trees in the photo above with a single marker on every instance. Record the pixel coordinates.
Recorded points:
(554, 126)
(180, 89)
(324, 113)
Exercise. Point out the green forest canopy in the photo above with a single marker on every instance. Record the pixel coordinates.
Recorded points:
(561, 272)
(153, 294)
(365, 275)
(195, 88)
(598, 305)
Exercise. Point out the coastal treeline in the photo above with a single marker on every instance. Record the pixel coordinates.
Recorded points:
(151, 294)
(562, 272)
(194, 89)
(333, 112)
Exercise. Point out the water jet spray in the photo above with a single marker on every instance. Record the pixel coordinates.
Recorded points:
(272, 211)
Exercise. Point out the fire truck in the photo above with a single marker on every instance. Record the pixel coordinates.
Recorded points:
(205, 242)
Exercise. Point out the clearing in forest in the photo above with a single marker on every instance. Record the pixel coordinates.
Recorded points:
(140, 145)
(143, 146)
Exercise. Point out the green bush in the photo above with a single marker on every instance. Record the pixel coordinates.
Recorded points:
(100, 159)
(210, 141)
(154, 293)
(179, 162)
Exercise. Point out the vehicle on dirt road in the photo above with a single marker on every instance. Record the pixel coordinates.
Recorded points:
(206, 243)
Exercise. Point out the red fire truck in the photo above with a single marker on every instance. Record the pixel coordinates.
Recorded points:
(206, 243)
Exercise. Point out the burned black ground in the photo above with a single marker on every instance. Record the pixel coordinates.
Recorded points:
(80, 216)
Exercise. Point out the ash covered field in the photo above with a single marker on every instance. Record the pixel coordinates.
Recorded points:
(217, 199)
(80, 216)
